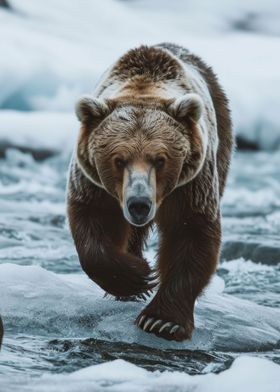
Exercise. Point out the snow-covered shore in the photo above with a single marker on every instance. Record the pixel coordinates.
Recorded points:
(53, 52)
(48, 132)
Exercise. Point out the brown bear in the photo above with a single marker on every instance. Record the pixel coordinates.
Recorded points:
(154, 148)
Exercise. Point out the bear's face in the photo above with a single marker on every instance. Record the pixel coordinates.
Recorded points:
(138, 154)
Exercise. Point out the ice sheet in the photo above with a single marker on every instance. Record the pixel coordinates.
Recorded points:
(54, 303)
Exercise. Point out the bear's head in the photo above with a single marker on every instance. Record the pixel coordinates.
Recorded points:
(140, 152)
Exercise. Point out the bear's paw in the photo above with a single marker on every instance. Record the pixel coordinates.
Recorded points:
(164, 328)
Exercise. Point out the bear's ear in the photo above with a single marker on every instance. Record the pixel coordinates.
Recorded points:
(187, 106)
(89, 108)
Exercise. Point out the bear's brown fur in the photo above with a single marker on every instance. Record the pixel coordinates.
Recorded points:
(154, 147)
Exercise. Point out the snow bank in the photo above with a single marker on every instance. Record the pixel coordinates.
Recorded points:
(53, 131)
(32, 297)
(245, 374)
(54, 51)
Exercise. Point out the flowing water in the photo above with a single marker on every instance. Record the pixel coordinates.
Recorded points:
(57, 321)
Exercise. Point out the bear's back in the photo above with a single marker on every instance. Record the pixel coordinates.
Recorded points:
(220, 102)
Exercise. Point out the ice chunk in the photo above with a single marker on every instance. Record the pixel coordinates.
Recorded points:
(32, 297)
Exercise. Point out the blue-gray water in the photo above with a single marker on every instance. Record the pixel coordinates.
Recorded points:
(56, 321)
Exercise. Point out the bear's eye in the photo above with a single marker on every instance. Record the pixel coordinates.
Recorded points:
(159, 163)
(120, 163)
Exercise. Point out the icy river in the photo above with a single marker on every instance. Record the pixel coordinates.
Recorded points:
(62, 335)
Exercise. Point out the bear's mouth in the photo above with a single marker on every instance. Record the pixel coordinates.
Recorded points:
(139, 210)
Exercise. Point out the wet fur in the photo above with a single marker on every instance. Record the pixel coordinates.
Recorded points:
(188, 219)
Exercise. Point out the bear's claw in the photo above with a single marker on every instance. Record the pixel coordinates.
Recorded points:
(162, 328)
(135, 298)
(152, 280)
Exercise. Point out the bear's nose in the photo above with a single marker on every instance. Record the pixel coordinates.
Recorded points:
(139, 208)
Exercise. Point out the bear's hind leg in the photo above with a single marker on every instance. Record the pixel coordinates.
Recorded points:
(188, 255)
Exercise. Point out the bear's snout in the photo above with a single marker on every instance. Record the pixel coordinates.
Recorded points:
(139, 195)
(139, 209)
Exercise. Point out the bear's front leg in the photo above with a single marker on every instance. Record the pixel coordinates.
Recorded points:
(189, 250)
(101, 235)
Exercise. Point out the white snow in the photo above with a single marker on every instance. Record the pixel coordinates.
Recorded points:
(55, 131)
(54, 51)
(246, 374)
